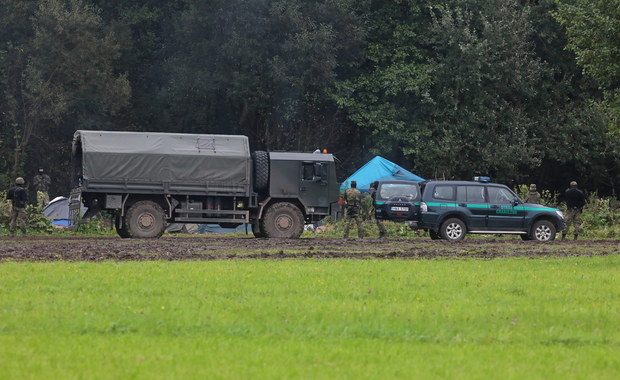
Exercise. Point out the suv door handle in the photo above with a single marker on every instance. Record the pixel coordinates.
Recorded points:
(462, 205)
(494, 206)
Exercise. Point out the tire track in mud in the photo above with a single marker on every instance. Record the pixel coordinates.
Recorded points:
(96, 249)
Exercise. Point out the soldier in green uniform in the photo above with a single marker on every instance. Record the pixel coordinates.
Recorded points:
(353, 204)
(532, 196)
(18, 196)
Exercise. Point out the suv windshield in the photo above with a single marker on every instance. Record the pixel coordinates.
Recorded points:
(388, 191)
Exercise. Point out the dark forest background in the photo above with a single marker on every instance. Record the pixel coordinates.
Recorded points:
(522, 91)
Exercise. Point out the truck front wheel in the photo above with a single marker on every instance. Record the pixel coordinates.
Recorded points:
(283, 220)
(145, 219)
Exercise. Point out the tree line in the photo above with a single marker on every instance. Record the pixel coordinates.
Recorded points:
(520, 90)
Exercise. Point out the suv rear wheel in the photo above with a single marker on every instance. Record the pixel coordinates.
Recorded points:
(543, 230)
(453, 229)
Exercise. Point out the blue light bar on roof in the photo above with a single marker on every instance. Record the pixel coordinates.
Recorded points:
(482, 179)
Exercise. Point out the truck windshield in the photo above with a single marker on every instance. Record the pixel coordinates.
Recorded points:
(388, 191)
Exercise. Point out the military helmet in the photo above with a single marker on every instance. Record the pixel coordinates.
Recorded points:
(19, 181)
(533, 187)
(573, 183)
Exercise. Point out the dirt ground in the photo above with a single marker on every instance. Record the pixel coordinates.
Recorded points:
(217, 247)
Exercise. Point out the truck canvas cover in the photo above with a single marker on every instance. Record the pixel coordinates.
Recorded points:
(162, 162)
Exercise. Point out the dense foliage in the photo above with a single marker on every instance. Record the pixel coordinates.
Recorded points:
(521, 90)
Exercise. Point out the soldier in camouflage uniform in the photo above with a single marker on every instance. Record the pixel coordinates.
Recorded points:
(532, 196)
(575, 200)
(18, 196)
(353, 205)
(373, 195)
(42, 184)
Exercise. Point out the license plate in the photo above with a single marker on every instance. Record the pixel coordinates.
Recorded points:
(400, 208)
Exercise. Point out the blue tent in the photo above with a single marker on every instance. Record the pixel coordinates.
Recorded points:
(378, 169)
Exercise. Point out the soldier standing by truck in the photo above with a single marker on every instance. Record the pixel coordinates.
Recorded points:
(18, 197)
(353, 204)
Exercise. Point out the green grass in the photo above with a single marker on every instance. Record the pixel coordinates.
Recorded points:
(319, 319)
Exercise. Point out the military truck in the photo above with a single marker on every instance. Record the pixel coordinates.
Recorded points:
(150, 179)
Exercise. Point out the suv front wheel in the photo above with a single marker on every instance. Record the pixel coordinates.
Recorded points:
(543, 230)
(453, 229)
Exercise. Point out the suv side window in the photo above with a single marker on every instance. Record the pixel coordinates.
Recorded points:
(475, 194)
(500, 195)
(471, 194)
(444, 192)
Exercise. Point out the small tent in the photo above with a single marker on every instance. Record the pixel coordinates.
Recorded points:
(378, 169)
(58, 211)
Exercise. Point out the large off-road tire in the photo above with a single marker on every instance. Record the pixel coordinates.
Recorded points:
(145, 219)
(121, 228)
(543, 230)
(261, 171)
(282, 220)
(434, 235)
(453, 229)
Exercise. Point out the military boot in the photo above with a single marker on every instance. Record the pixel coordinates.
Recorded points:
(563, 235)
(575, 237)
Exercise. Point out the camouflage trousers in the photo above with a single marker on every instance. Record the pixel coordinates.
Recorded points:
(18, 219)
(43, 198)
(350, 218)
(573, 217)
(381, 227)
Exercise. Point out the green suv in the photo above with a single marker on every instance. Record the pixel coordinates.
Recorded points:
(451, 209)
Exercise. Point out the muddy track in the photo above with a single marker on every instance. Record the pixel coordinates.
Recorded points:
(50, 248)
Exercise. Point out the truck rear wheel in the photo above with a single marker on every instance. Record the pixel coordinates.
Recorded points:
(261, 171)
(283, 220)
(121, 228)
(145, 219)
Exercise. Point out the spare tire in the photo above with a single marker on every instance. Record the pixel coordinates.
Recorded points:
(261, 171)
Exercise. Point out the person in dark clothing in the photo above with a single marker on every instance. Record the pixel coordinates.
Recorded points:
(18, 197)
(575, 200)
(373, 195)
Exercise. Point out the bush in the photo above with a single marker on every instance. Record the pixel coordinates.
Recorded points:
(36, 222)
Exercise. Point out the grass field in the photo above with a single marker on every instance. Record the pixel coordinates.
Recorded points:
(513, 318)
